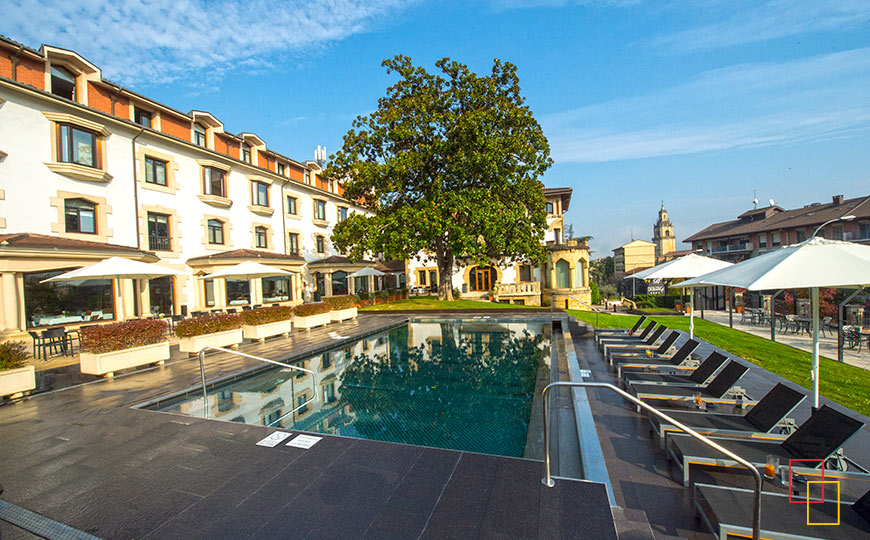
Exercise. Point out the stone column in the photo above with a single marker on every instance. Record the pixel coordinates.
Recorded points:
(9, 300)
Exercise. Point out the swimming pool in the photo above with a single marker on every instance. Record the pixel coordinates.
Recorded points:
(459, 384)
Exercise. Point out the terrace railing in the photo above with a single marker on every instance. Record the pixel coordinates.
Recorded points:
(522, 288)
(261, 359)
(548, 479)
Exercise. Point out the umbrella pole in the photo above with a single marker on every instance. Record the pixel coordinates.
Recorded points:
(814, 293)
(692, 314)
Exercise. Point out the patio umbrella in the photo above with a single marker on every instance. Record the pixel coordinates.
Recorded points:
(811, 264)
(249, 271)
(367, 271)
(687, 266)
(116, 268)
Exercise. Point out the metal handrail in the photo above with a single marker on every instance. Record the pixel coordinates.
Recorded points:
(252, 357)
(548, 479)
(590, 306)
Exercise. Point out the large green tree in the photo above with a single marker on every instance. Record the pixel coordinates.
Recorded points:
(448, 166)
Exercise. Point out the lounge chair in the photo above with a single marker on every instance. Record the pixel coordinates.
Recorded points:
(711, 393)
(629, 338)
(728, 514)
(614, 332)
(649, 343)
(816, 439)
(638, 362)
(762, 418)
(636, 352)
(697, 377)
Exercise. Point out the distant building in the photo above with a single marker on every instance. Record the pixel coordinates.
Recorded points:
(632, 257)
(663, 236)
(760, 230)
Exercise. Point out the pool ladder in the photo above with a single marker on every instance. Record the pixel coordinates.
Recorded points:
(548, 479)
(261, 359)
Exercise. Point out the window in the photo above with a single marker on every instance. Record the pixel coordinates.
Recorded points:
(837, 232)
(307, 176)
(260, 237)
(238, 292)
(214, 182)
(339, 282)
(293, 243)
(143, 118)
(63, 83)
(155, 171)
(162, 295)
(209, 292)
(158, 232)
(320, 210)
(482, 279)
(422, 277)
(44, 303)
(557, 235)
(276, 289)
(342, 213)
(77, 145)
(281, 169)
(361, 284)
(321, 245)
(199, 136)
(774, 239)
(801, 235)
(291, 205)
(80, 216)
(762, 240)
(260, 193)
(215, 231)
(246, 153)
(526, 272)
(863, 230)
(549, 207)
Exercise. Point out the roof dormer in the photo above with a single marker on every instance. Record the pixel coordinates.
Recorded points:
(67, 74)
(205, 125)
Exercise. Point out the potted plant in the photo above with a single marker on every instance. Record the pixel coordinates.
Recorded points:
(221, 330)
(15, 377)
(308, 316)
(107, 348)
(343, 307)
(262, 323)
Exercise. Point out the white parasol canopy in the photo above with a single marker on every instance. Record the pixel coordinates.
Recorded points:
(367, 271)
(248, 270)
(687, 266)
(811, 264)
(116, 268)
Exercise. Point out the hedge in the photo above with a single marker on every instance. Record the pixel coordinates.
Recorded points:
(105, 338)
(656, 300)
(267, 315)
(208, 324)
(341, 302)
(13, 354)
(307, 310)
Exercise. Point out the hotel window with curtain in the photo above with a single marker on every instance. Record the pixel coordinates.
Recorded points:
(155, 171)
(80, 216)
(319, 209)
(260, 193)
(260, 237)
(293, 243)
(214, 181)
(215, 231)
(77, 145)
(199, 137)
(63, 83)
(291, 205)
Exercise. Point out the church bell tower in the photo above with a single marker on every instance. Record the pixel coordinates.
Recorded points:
(663, 235)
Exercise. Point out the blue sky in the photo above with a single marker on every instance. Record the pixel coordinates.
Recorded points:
(696, 103)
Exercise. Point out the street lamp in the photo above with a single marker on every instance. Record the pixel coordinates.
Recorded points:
(841, 218)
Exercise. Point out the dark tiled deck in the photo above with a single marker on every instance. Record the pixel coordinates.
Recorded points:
(83, 457)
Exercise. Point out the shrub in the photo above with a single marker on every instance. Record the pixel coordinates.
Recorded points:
(307, 310)
(208, 324)
(596, 294)
(456, 293)
(341, 302)
(105, 338)
(13, 354)
(267, 315)
(363, 296)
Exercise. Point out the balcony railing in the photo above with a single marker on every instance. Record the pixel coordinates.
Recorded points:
(522, 288)
(856, 236)
(159, 243)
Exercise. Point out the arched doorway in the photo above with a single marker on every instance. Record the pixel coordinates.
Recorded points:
(481, 278)
(563, 274)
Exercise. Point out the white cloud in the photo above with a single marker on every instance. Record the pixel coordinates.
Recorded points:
(158, 41)
(747, 105)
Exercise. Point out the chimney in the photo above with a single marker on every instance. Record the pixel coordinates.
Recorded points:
(837, 200)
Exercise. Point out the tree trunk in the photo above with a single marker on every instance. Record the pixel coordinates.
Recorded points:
(445, 274)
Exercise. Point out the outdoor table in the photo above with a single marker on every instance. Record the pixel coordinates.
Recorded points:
(60, 319)
(802, 324)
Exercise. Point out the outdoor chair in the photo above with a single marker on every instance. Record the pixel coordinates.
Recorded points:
(712, 393)
(628, 338)
(763, 417)
(54, 340)
(613, 332)
(698, 376)
(608, 345)
(727, 512)
(811, 444)
(38, 342)
(666, 344)
(198, 313)
(624, 364)
(232, 310)
(246, 308)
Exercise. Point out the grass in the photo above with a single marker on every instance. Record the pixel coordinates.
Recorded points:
(657, 310)
(431, 302)
(843, 383)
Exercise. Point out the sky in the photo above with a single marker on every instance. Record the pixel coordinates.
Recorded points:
(703, 105)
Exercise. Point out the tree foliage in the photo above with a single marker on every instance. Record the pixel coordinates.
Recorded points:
(448, 165)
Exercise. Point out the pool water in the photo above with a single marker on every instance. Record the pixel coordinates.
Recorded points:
(458, 384)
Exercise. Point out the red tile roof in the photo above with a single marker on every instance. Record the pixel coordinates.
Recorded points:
(44, 241)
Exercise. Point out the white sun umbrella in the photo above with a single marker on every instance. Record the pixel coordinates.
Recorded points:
(687, 266)
(249, 271)
(811, 264)
(367, 271)
(116, 268)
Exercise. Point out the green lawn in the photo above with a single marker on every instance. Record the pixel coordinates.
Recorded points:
(431, 302)
(845, 384)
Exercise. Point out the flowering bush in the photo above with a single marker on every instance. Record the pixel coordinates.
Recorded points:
(122, 335)
(208, 324)
(341, 302)
(307, 310)
(267, 315)
(13, 354)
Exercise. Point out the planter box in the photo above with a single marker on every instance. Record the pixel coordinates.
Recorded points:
(312, 320)
(262, 331)
(14, 382)
(107, 363)
(342, 314)
(221, 339)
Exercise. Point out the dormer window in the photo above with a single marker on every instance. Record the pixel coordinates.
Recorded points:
(246, 153)
(307, 177)
(199, 136)
(63, 83)
(143, 118)
(281, 169)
